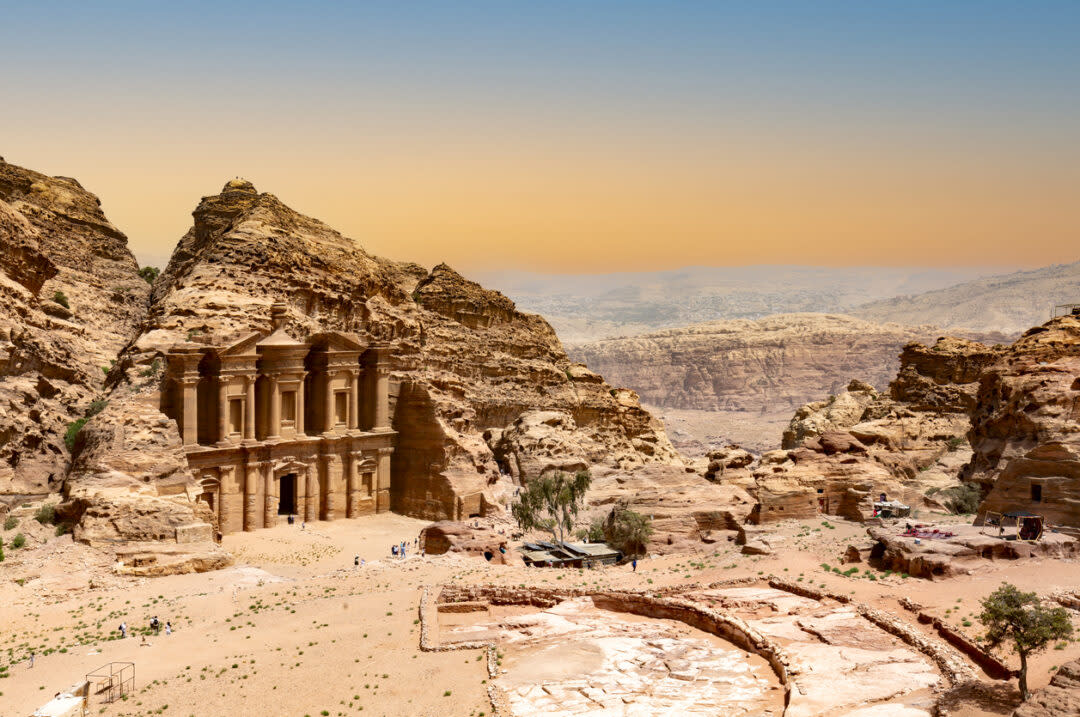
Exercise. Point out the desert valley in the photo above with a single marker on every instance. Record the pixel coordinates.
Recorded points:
(283, 475)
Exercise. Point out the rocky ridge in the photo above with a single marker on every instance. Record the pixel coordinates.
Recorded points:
(465, 363)
(1025, 428)
(774, 363)
(72, 298)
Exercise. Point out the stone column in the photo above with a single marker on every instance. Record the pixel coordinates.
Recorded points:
(274, 431)
(311, 503)
(328, 404)
(382, 478)
(223, 510)
(251, 498)
(382, 397)
(300, 398)
(351, 488)
(249, 408)
(191, 410)
(223, 411)
(270, 501)
(328, 507)
(354, 400)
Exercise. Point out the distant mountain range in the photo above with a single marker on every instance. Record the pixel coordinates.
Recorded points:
(587, 307)
(584, 308)
(1009, 303)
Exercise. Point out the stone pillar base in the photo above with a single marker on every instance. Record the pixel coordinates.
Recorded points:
(250, 512)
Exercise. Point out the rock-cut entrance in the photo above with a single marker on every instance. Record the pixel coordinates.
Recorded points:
(287, 493)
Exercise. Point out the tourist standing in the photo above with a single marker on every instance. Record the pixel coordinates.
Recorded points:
(168, 627)
(633, 564)
(356, 561)
(31, 659)
(123, 630)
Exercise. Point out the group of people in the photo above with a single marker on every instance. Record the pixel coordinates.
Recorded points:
(155, 627)
(398, 551)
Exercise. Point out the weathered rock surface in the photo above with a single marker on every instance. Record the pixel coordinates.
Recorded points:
(447, 536)
(1025, 429)
(843, 452)
(56, 248)
(466, 365)
(686, 509)
(774, 363)
(1058, 699)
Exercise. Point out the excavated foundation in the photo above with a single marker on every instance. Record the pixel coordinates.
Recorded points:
(734, 647)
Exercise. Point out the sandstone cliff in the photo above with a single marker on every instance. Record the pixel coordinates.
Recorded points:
(1024, 429)
(70, 299)
(841, 453)
(466, 364)
(775, 363)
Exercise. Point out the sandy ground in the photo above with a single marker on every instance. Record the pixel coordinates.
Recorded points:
(295, 629)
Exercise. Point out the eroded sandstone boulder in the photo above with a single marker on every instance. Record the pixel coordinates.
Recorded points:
(1061, 698)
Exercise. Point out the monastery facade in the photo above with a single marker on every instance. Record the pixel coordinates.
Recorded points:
(274, 427)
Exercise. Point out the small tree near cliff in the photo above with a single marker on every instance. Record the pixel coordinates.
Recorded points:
(551, 503)
(1020, 619)
(628, 531)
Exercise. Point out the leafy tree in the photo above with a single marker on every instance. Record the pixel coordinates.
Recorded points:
(594, 533)
(551, 503)
(149, 273)
(628, 531)
(1020, 619)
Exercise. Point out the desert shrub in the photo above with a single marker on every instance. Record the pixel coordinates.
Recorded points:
(18, 541)
(10, 522)
(1, 550)
(962, 499)
(62, 529)
(152, 369)
(59, 298)
(149, 274)
(594, 533)
(46, 514)
(72, 433)
(96, 407)
(955, 442)
(628, 532)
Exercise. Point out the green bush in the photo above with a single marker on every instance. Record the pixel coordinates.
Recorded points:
(962, 499)
(1, 550)
(10, 522)
(72, 432)
(955, 442)
(62, 529)
(18, 541)
(46, 514)
(59, 298)
(149, 274)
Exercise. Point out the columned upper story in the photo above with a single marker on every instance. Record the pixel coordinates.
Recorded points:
(267, 419)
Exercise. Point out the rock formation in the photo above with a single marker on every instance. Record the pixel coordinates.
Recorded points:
(472, 378)
(775, 363)
(840, 454)
(70, 298)
(1024, 429)
(1058, 699)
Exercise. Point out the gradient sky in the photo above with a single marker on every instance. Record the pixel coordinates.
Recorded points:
(572, 136)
